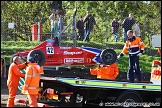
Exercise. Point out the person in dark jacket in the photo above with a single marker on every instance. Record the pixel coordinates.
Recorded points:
(89, 24)
(115, 29)
(80, 27)
(127, 25)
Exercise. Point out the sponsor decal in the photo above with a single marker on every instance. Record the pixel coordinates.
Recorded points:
(72, 53)
(74, 60)
(65, 47)
(49, 44)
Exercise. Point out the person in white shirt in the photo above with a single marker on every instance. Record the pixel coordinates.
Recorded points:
(54, 17)
(137, 29)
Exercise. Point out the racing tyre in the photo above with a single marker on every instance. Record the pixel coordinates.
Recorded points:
(39, 56)
(108, 56)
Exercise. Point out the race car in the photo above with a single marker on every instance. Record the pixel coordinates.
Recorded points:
(49, 53)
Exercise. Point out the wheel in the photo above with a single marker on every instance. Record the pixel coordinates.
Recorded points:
(39, 56)
(108, 56)
(129, 97)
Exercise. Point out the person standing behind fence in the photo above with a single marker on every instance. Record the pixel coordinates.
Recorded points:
(137, 29)
(127, 25)
(90, 22)
(54, 23)
(80, 27)
(115, 29)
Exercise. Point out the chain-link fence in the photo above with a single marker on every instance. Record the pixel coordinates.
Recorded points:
(103, 33)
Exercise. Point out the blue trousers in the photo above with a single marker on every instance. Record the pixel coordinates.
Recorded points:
(87, 32)
(116, 35)
(134, 65)
(125, 35)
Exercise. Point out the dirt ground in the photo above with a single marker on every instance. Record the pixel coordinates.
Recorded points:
(4, 94)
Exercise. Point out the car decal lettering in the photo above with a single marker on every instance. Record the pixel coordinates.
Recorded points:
(74, 60)
(72, 53)
(50, 50)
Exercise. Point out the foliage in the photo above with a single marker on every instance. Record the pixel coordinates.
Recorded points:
(27, 13)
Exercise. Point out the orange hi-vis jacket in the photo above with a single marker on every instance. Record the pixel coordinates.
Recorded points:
(135, 47)
(15, 74)
(32, 78)
(108, 72)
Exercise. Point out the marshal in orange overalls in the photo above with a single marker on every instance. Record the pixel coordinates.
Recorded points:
(106, 72)
(13, 79)
(31, 86)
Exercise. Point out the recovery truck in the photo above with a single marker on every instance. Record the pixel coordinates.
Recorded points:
(76, 87)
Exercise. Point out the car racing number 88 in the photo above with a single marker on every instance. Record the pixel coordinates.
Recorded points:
(50, 50)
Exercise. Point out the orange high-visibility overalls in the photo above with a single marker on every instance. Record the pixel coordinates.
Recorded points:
(13, 81)
(107, 72)
(31, 84)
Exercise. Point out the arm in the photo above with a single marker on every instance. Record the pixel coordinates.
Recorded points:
(41, 70)
(16, 70)
(123, 23)
(125, 49)
(94, 21)
(93, 71)
(142, 46)
(28, 77)
(22, 66)
(77, 25)
(50, 17)
(116, 70)
(85, 20)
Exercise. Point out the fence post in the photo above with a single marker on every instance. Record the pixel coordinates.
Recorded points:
(38, 31)
(74, 27)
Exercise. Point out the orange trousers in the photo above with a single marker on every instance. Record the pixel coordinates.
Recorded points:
(12, 95)
(32, 100)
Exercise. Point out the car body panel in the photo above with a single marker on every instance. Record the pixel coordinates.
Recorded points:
(57, 55)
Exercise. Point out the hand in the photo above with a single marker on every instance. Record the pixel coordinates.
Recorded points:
(118, 56)
(139, 54)
(26, 63)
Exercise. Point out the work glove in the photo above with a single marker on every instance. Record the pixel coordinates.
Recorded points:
(26, 63)
(141, 52)
(120, 55)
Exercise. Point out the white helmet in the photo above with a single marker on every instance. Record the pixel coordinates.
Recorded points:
(15, 58)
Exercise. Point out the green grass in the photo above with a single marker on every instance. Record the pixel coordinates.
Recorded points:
(9, 48)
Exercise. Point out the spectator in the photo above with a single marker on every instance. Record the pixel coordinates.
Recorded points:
(60, 26)
(135, 46)
(32, 78)
(54, 23)
(90, 23)
(105, 71)
(115, 29)
(137, 29)
(13, 79)
(80, 27)
(127, 25)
